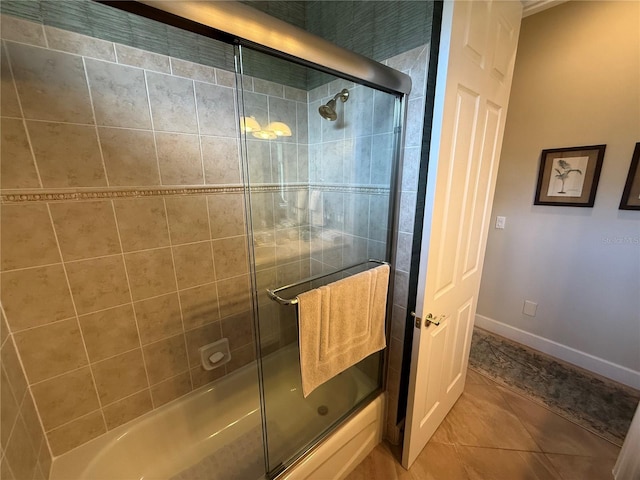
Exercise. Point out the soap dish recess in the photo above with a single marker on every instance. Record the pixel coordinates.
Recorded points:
(215, 354)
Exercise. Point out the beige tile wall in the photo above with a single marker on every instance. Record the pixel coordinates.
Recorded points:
(414, 63)
(108, 299)
(24, 452)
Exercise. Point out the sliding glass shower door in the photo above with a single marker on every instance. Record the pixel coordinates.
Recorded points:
(319, 156)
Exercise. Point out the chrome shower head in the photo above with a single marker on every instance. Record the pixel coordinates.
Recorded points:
(328, 110)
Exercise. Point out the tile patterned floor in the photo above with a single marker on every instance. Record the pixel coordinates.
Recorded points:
(493, 433)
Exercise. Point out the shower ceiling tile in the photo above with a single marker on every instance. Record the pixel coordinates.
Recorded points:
(27, 238)
(119, 95)
(129, 157)
(188, 219)
(150, 273)
(172, 103)
(179, 159)
(35, 296)
(67, 155)
(85, 229)
(98, 283)
(199, 306)
(142, 223)
(53, 85)
(109, 332)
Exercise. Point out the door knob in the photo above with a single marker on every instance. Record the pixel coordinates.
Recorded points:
(429, 319)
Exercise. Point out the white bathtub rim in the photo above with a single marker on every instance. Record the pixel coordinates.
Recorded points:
(337, 455)
(81, 457)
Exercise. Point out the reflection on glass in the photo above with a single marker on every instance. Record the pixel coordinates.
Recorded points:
(319, 199)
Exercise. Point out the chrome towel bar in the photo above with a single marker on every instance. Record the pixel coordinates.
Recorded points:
(273, 294)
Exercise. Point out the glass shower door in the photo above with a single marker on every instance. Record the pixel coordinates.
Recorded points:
(319, 156)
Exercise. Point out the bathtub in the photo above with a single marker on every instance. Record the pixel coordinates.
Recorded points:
(215, 432)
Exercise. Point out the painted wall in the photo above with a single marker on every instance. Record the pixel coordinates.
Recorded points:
(576, 82)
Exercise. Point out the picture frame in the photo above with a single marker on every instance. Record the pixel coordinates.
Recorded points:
(631, 193)
(569, 177)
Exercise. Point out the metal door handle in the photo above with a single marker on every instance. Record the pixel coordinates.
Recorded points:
(428, 320)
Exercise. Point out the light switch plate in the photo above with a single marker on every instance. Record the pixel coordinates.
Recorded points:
(500, 222)
(530, 308)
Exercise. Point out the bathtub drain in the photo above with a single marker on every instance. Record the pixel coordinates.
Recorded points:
(323, 410)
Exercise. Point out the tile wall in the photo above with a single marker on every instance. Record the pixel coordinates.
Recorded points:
(123, 243)
(414, 63)
(24, 450)
(123, 236)
(349, 224)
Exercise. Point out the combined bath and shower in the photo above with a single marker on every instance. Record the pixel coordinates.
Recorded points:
(328, 110)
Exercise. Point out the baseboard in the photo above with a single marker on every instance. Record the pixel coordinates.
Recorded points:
(581, 359)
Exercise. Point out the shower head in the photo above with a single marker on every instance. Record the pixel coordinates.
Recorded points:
(328, 110)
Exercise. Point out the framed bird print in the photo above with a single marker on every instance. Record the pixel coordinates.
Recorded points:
(569, 176)
(631, 194)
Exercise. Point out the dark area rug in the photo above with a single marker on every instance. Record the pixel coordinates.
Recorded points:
(595, 403)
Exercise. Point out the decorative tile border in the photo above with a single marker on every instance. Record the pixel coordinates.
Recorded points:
(49, 196)
(98, 194)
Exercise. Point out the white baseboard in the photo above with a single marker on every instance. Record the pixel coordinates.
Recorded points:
(584, 360)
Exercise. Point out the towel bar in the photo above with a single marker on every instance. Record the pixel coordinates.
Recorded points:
(273, 294)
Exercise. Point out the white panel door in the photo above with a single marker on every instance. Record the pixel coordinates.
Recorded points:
(475, 67)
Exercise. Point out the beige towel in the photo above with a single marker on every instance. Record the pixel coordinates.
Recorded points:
(340, 324)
